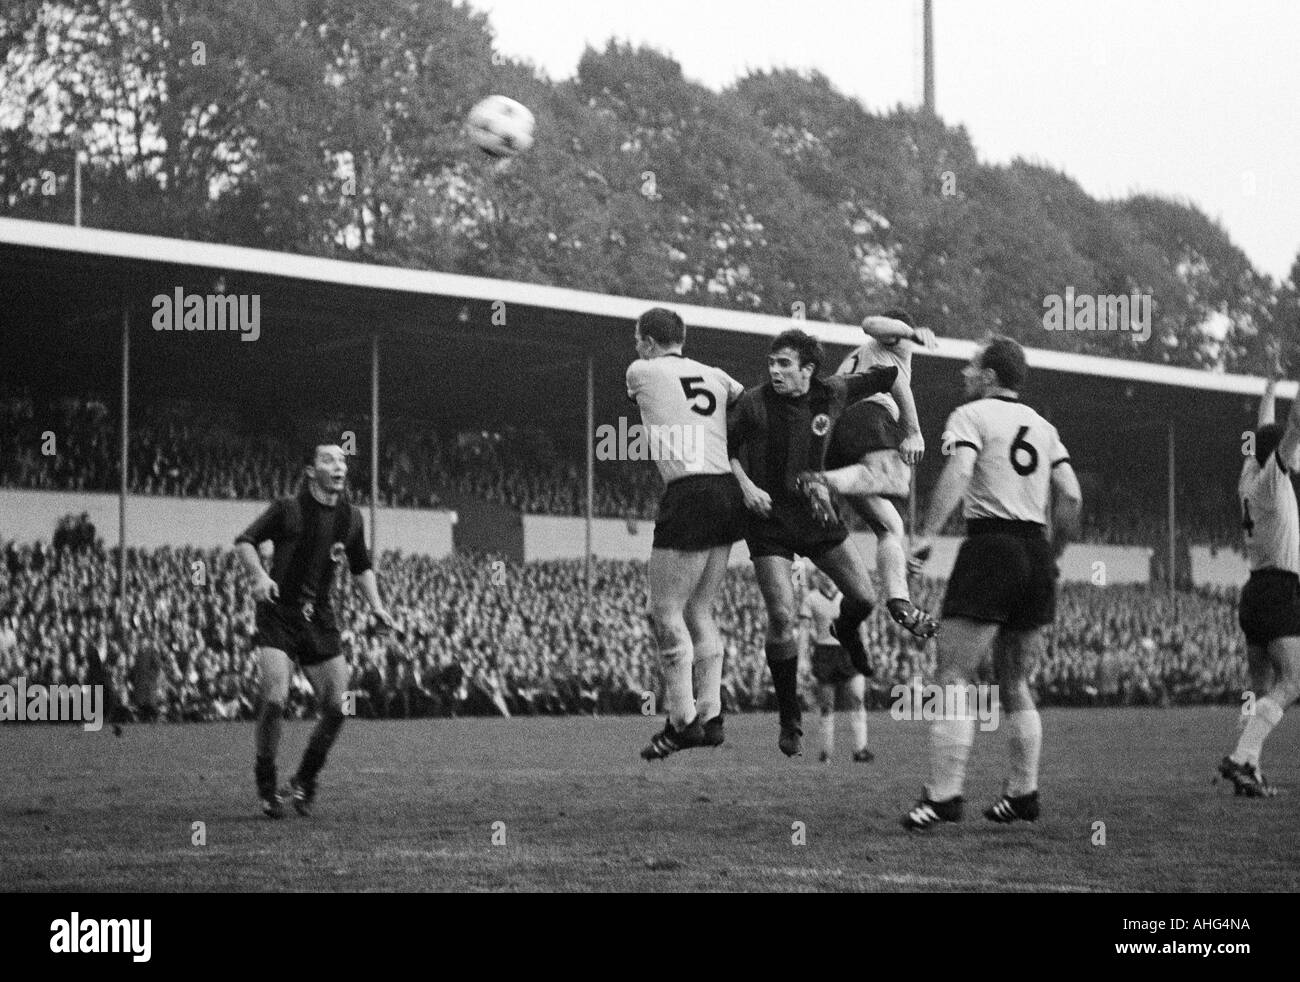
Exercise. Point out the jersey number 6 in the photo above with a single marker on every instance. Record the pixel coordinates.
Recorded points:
(1021, 446)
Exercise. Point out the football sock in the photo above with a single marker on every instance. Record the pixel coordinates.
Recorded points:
(318, 747)
(950, 743)
(264, 774)
(678, 684)
(266, 735)
(852, 613)
(858, 719)
(1025, 744)
(783, 660)
(707, 670)
(828, 731)
(1267, 715)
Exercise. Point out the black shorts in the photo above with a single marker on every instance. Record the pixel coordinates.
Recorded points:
(864, 427)
(308, 642)
(790, 531)
(700, 511)
(1005, 573)
(831, 665)
(1270, 606)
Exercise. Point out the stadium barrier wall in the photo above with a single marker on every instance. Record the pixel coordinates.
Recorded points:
(560, 537)
(1218, 567)
(154, 521)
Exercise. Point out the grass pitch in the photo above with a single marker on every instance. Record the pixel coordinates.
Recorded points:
(565, 804)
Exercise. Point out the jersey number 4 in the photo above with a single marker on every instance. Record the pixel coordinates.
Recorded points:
(1024, 455)
(694, 389)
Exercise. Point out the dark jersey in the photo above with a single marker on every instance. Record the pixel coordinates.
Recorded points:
(309, 538)
(775, 437)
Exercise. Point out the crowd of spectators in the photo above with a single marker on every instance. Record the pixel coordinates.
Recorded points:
(213, 451)
(486, 636)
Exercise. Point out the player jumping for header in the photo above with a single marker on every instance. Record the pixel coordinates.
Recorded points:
(882, 424)
(1005, 461)
(1269, 610)
(312, 533)
(777, 433)
(684, 412)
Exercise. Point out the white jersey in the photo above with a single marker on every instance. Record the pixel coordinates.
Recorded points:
(1016, 451)
(1268, 515)
(683, 406)
(876, 353)
(822, 611)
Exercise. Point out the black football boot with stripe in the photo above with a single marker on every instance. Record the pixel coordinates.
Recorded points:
(669, 740)
(927, 814)
(713, 735)
(1247, 779)
(303, 795)
(270, 799)
(1013, 808)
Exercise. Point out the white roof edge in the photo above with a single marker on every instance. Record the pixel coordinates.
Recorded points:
(153, 248)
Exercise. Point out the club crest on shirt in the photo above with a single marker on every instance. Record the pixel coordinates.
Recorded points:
(821, 423)
(338, 552)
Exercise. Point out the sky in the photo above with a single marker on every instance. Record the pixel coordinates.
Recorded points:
(1190, 99)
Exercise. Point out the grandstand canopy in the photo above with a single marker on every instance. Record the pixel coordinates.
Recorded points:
(444, 356)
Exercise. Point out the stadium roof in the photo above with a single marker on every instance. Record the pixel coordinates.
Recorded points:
(444, 357)
(18, 234)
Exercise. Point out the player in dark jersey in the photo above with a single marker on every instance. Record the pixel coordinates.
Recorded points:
(311, 533)
(776, 435)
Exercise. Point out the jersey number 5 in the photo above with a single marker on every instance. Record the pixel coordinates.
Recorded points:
(1021, 447)
(696, 391)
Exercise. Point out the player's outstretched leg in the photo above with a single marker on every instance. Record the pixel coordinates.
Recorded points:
(857, 695)
(781, 648)
(329, 680)
(275, 668)
(1241, 767)
(826, 706)
(845, 566)
(707, 642)
(891, 564)
(963, 644)
(674, 575)
(1015, 654)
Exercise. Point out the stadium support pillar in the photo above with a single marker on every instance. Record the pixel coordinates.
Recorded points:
(374, 446)
(591, 470)
(1173, 555)
(123, 461)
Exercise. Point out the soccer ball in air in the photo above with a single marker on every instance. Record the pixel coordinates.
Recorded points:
(500, 127)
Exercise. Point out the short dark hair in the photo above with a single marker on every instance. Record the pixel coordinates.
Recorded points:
(807, 347)
(1007, 359)
(899, 314)
(1267, 437)
(311, 446)
(662, 325)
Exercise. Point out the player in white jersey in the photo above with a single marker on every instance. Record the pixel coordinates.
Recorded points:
(1004, 462)
(683, 407)
(831, 667)
(882, 424)
(1269, 611)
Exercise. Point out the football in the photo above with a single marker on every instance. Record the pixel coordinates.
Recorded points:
(500, 126)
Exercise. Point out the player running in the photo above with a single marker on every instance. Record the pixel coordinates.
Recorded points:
(777, 433)
(1005, 462)
(881, 424)
(832, 669)
(683, 407)
(312, 532)
(1269, 610)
